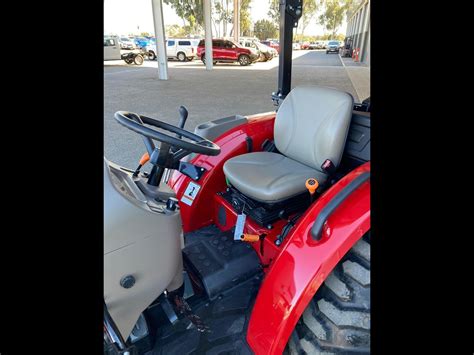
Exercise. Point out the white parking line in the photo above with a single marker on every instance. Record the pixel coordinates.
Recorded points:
(340, 58)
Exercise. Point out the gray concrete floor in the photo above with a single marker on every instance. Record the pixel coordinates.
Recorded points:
(227, 90)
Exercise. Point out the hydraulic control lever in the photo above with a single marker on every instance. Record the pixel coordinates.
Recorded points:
(253, 238)
(143, 160)
(183, 116)
(312, 185)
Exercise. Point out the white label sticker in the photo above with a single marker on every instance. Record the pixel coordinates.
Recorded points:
(190, 193)
(239, 226)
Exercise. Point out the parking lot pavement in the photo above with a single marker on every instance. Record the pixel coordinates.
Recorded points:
(318, 58)
(227, 90)
(359, 73)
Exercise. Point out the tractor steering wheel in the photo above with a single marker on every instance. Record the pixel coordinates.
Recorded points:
(195, 144)
(172, 149)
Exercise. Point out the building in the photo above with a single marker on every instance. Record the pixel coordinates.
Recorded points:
(358, 28)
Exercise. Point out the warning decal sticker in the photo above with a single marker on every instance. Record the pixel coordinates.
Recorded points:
(190, 193)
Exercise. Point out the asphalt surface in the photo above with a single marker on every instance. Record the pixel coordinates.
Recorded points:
(227, 90)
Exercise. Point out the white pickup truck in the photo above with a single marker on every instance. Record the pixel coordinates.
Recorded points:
(112, 52)
(181, 49)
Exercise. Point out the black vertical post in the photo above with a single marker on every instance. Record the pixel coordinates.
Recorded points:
(286, 49)
(290, 12)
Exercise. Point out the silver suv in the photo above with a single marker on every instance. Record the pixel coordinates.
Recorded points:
(333, 47)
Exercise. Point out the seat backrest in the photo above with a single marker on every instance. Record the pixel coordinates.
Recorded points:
(312, 123)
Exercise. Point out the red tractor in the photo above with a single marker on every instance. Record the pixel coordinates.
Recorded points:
(250, 235)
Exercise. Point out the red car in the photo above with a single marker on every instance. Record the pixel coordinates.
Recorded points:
(224, 50)
(272, 44)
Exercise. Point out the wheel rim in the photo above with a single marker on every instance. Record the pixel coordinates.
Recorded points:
(181, 57)
(244, 60)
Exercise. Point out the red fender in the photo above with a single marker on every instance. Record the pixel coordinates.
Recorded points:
(303, 265)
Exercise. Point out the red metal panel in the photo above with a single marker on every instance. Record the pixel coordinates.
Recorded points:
(303, 264)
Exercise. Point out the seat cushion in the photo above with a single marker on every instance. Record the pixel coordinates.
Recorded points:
(269, 177)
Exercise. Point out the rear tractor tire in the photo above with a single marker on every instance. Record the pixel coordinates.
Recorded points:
(337, 320)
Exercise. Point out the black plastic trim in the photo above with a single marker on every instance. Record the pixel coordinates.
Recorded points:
(335, 202)
(190, 170)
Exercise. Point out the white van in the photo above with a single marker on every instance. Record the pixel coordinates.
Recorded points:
(176, 48)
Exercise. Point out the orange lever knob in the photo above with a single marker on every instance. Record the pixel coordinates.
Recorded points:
(250, 238)
(312, 184)
(144, 159)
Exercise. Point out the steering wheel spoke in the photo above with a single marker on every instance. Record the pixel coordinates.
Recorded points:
(150, 146)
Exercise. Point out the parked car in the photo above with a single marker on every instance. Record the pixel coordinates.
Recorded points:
(177, 48)
(305, 45)
(296, 46)
(141, 42)
(181, 49)
(265, 53)
(226, 50)
(249, 43)
(333, 47)
(312, 45)
(268, 51)
(320, 44)
(273, 44)
(126, 43)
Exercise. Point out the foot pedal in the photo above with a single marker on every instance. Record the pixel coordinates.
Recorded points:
(169, 310)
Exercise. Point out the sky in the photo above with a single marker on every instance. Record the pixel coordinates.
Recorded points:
(126, 16)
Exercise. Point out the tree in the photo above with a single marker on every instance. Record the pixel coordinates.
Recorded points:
(189, 10)
(333, 14)
(264, 29)
(245, 21)
(274, 12)
(177, 31)
(310, 7)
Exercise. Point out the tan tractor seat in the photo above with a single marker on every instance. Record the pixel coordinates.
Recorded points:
(311, 126)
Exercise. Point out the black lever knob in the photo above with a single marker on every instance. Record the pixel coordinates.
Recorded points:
(171, 204)
(183, 116)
